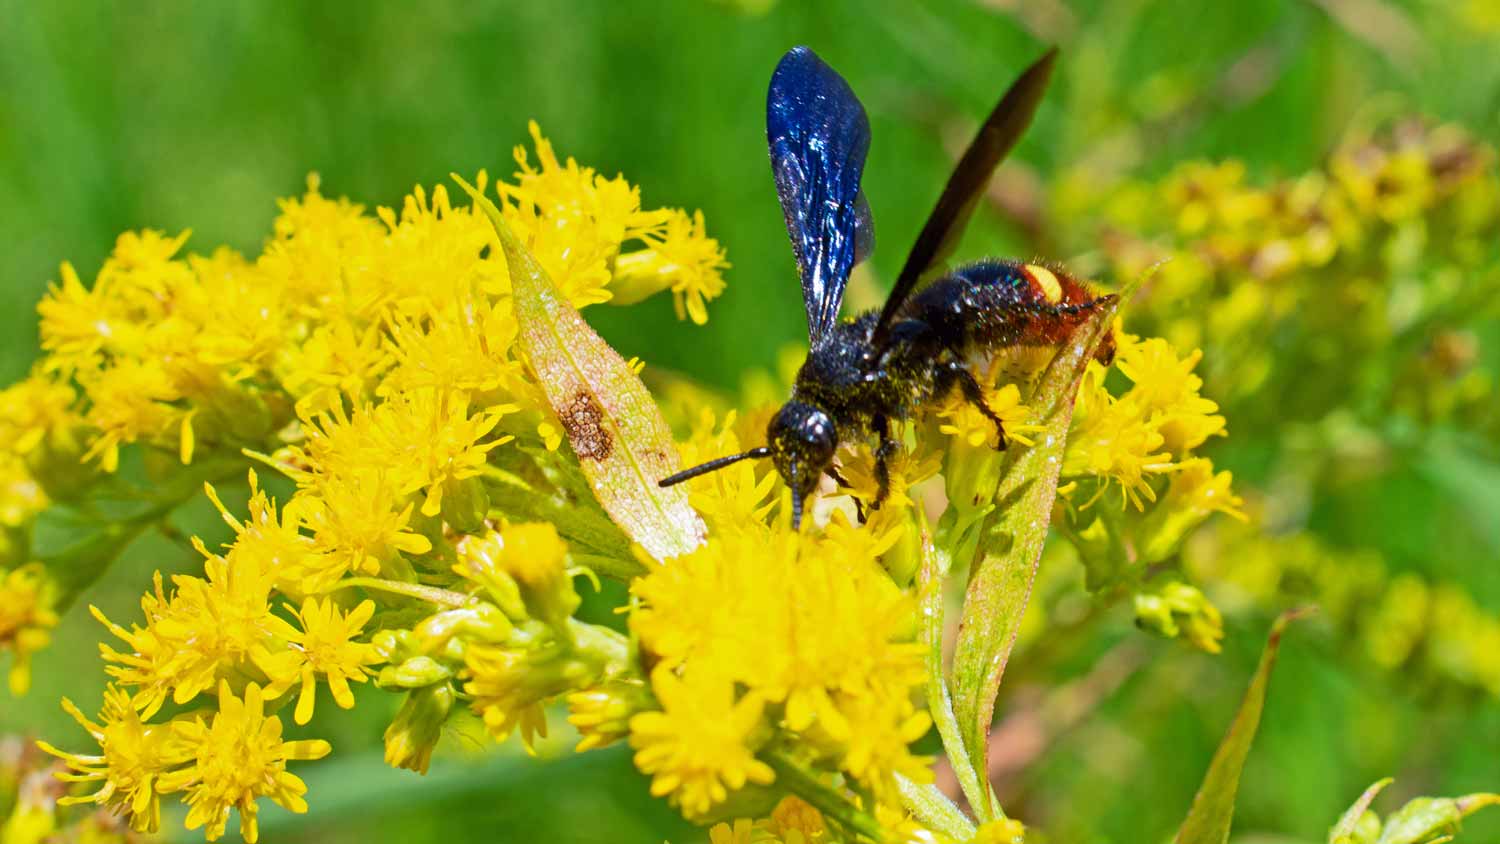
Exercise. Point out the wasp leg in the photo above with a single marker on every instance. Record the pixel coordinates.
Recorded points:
(859, 507)
(883, 453)
(955, 373)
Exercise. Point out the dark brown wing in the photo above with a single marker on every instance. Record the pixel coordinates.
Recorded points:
(946, 224)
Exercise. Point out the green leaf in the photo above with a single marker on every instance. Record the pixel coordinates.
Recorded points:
(931, 574)
(1343, 832)
(1010, 539)
(1213, 807)
(623, 444)
(1428, 820)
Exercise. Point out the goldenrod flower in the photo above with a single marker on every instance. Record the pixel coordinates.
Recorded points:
(1166, 391)
(268, 542)
(323, 646)
(34, 411)
(132, 757)
(741, 832)
(875, 736)
(234, 759)
(794, 821)
(27, 617)
(1114, 440)
(360, 523)
(1003, 831)
(468, 348)
(795, 618)
(680, 256)
(132, 401)
(699, 747)
(906, 470)
(738, 495)
(506, 690)
(961, 419)
(424, 439)
(1195, 493)
(209, 629)
(337, 361)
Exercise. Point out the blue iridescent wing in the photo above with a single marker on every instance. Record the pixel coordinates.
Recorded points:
(819, 134)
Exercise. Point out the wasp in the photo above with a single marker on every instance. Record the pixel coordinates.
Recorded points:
(865, 374)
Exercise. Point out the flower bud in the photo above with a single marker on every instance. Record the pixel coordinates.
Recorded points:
(525, 561)
(480, 622)
(395, 645)
(1178, 609)
(602, 714)
(414, 732)
(414, 673)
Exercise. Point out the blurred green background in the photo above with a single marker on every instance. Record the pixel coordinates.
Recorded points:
(199, 115)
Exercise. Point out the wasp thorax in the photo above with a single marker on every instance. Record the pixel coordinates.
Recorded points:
(802, 440)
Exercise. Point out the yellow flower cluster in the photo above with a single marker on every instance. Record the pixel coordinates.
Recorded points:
(219, 759)
(809, 637)
(26, 617)
(34, 423)
(1343, 314)
(31, 811)
(1147, 432)
(373, 360)
(436, 523)
(1350, 268)
(1400, 622)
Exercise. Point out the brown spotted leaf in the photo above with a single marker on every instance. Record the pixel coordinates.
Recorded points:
(623, 444)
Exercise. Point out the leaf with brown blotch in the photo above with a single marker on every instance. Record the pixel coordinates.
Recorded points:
(623, 444)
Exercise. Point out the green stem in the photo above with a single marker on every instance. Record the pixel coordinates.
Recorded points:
(77, 566)
(430, 594)
(934, 809)
(823, 797)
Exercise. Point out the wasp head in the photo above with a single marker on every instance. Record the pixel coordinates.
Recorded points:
(802, 440)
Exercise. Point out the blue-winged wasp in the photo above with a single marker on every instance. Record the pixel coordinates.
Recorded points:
(864, 374)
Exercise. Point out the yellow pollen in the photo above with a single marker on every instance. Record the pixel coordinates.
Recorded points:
(1047, 281)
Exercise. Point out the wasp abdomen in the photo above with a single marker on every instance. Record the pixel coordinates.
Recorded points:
(995, 304)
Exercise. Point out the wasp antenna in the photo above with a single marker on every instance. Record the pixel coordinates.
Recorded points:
(796, 510)
(713, 465)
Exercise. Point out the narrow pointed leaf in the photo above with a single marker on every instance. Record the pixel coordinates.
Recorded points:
(931, 574)
(623, 444)
(1213, 807)
(1343, 831)
(1009, 548)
